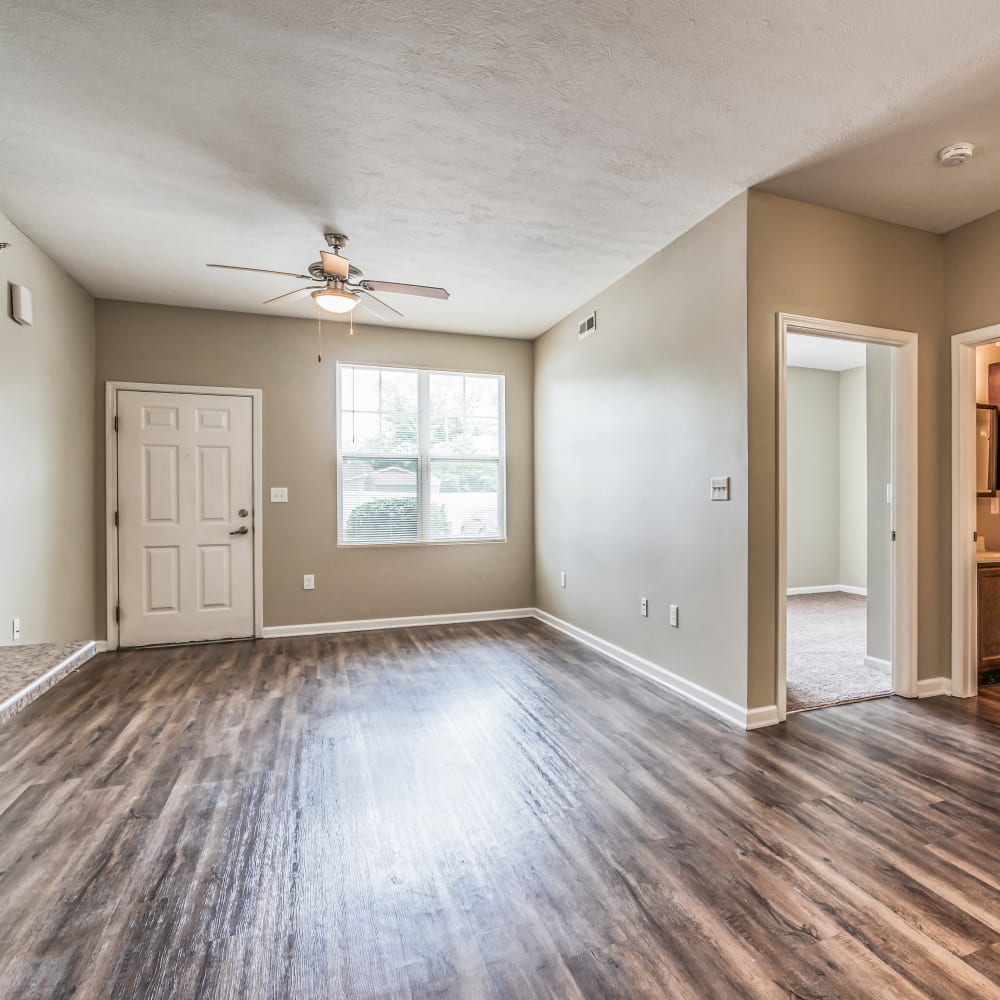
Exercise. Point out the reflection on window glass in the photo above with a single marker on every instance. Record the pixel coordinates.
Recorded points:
(382, 416)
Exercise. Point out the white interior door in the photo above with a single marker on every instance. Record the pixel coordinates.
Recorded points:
(185, 517)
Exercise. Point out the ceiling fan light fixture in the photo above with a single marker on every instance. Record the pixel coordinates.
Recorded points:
(334, 300)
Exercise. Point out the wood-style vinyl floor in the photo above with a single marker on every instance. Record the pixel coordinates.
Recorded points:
(483, 811)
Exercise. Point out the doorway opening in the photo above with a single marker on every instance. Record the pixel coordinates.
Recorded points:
(846, 513)
(839, 521)
(976, 516)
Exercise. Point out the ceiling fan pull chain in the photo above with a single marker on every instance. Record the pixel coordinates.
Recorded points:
(351, 333)
(319, 336)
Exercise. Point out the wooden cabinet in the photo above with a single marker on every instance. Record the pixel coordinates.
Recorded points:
(989, 617)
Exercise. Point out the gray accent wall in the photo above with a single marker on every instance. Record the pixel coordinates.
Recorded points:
(827, 477)
(47, 546)
(879, 419)
(853, 485)
(631, 423)
(813, 491)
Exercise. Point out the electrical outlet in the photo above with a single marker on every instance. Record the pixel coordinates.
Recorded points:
(562, 579)
(309, 582)
(279, 494)
(674, 616)
(644, 607)
(15, 629)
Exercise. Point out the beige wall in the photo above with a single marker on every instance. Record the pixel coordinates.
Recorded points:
(972, 301)
(46, 413)
(820, 262)
(144, 343)
(853, 480)
(971, 270)
(813, 478)
(630, 425)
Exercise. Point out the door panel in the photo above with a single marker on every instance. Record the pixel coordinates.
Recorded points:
(214, 503)
(214, 577)
(185, 474)
(161, 583)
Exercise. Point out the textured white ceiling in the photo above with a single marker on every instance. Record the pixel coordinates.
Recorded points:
(825, 353)
(523, 154)
(891, 172)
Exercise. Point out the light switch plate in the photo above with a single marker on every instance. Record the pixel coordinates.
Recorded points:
(644, 607)
(674, 616)
(279, 494)
(720, 487)
(562, 579)
(309, 582)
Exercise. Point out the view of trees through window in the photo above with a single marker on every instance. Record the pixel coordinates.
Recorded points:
(421, 455)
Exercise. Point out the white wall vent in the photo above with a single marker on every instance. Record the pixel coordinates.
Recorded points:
(588, 325)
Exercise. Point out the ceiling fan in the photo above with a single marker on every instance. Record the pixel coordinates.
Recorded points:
(338, 286)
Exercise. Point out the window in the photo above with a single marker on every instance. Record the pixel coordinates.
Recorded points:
(421, 456)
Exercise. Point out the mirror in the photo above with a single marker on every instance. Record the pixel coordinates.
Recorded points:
(986, 450)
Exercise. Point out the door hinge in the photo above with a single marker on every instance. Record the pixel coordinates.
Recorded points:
(116, 519)
(892, 536)
(118, 613)
(116, 424)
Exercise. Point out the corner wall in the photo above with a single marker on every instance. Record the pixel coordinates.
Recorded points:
(47, 552)
(820, 262)
(168, 344)
(630, 425)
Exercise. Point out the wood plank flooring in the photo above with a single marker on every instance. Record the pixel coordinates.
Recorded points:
(483, 811)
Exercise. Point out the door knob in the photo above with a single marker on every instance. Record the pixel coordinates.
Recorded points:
(240, 531)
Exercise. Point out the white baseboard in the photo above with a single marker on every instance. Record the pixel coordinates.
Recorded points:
(833, 588)
(766, 715)
(370, 624)
(931, 687)
(708, 700)
(101, 645)
(717, 705)
(876, 663)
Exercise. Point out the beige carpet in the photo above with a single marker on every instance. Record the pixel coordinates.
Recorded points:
(826, 652)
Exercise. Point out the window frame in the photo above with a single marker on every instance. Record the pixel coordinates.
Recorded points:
(424, 459)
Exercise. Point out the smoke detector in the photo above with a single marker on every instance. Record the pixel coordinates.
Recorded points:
(956, 154)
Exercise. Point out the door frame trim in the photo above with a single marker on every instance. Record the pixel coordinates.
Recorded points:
(964, 598)
(904, 512)
(111, 390)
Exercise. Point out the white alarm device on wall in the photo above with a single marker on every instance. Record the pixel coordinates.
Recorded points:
(20, 305)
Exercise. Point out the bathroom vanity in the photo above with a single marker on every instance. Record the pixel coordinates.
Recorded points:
(988, 573)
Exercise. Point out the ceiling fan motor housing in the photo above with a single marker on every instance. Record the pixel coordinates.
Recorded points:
(319, 273)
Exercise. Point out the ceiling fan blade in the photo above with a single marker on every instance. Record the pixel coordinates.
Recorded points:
(261, 270)
(427, 291)
(377, 306)
(335, 265)
(288, 295)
